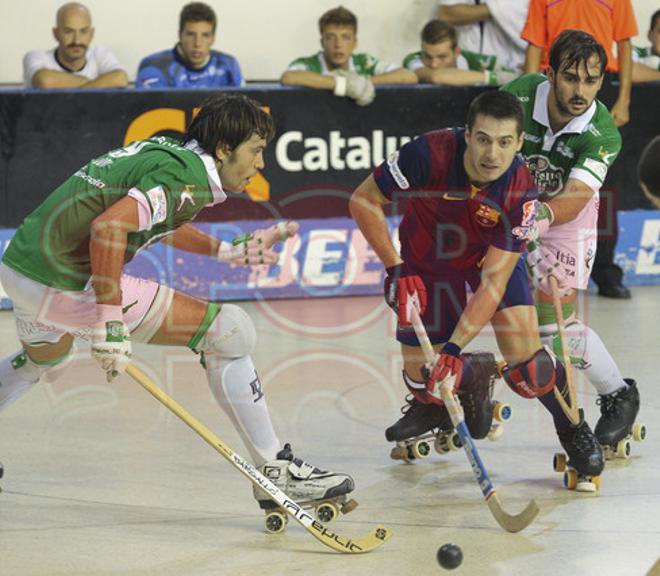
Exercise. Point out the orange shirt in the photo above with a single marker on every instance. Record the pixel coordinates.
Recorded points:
(608, 21)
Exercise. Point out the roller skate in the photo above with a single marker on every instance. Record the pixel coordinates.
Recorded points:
(584, 459)
(426, 424)
(616, 425)
(319, 490)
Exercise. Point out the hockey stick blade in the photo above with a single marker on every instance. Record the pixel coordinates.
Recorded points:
(510, 522)
(331, 539)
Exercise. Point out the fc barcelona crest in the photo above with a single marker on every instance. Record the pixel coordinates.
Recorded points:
(487, 216)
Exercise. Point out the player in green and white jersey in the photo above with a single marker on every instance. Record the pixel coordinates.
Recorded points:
(63, 272)
(646, 61)
(441, 61)
(338, 68)
(570, 143)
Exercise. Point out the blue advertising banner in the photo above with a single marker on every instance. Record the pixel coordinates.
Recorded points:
(330, 257)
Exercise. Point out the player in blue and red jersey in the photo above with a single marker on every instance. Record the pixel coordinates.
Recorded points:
(470, 207)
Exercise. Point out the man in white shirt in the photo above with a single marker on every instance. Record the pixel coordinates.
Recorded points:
(488, 27)
(73, 64)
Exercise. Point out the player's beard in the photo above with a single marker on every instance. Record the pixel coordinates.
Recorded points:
(563, 108)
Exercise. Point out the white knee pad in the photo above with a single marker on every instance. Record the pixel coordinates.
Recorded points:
(576, 340)
(230, 335)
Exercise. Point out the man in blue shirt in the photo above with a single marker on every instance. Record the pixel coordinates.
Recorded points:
(191, 63)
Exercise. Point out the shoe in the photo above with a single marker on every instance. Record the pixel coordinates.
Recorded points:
(614, 290)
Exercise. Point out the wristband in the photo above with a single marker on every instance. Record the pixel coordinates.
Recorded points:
(108, 313)
(451, 349)
(340, 86)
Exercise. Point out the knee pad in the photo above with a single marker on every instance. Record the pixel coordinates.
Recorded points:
(537, 376)
(577, 335)
(231, 334)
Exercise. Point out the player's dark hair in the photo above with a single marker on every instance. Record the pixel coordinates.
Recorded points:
(655, 16)
(649, 167)
(339, 16)
(498, 105)
(437, 31)
(229, 119)
(196, 12)
(575, 47)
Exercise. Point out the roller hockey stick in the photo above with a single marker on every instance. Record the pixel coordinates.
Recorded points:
(510, 522)
(572, 412)
(374, 539)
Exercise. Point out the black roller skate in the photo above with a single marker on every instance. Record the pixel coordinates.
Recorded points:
(423, 424)
(585, 461)
(616, 425)
(325, 492)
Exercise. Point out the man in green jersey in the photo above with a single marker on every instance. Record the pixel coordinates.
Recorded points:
(441, 61)
(570, 143)
(646, 61)
(63, 272)
(338, 68)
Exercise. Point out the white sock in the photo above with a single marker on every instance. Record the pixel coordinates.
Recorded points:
(237, 388)
(17, 375)
(597, 363)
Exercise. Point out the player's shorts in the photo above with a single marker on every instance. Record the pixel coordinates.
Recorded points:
(44, 314)
(446, 293)
(574, 245)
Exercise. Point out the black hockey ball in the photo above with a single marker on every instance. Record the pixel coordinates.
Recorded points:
(449, 556)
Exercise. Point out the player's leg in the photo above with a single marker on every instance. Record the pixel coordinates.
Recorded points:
(534, 372)
(225, 337)
(618, 396)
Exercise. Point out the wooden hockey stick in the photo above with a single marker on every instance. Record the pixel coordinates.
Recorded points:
(510, 522)
(373, 539)
(572, 411)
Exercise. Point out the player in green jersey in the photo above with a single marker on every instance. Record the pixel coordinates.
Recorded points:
(338, 68)
(441, 61)
(646, 61)
(63, 271)
(570, 143)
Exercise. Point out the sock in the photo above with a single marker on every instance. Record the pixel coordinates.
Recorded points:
(237, 389)
(17, 375)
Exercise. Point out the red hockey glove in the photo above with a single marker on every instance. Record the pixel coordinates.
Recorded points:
(402, 288)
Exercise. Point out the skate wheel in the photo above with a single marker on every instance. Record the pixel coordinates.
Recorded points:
(275, 522)
(596, 482)
(421, 449)
(639, 432)
(441, 444)
(326, 512)
(502, 412)
(623, 449)
(400, 453)
(559, 462)
(495, 432)
(586, 486)
(570, 479)
(349, 506)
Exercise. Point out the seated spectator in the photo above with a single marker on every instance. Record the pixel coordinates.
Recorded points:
(337, 67)
(488, 27)
(646, 61)
(441, 61)
(73, 64)
(191, 63)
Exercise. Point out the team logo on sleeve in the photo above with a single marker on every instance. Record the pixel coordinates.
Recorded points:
(606, 156)
(487, 216)
(395, 171)
(599, 169)
(158, 203)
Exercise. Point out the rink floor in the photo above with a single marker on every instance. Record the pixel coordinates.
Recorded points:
(102, 480)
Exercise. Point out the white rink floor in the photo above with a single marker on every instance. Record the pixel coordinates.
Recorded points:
(102, 480)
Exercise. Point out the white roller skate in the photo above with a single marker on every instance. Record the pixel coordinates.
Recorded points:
(323, 491)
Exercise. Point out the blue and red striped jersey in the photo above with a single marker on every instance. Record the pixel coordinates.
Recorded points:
(447, 220)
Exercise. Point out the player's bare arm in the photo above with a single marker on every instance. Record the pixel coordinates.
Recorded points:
(621, 108)
(497, 267)
(113, 79)
(308, 79)
(461, 14)
(449, 76)
(570, 202)
(55, 79)
(398, 76)
(366, 207)
(643, 73)
(107, 247)
(532, 59)
(192, 239)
